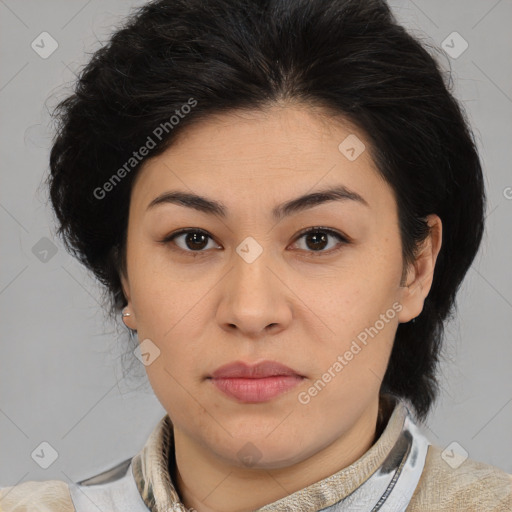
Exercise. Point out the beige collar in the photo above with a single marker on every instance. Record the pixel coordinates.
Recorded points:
(159, 494)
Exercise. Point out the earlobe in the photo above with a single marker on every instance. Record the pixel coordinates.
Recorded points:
(127, 313)
(129, 318)
(421, 273)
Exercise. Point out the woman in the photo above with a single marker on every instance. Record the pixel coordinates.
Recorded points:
(282, 199)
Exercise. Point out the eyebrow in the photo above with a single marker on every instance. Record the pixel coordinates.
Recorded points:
(299, 204)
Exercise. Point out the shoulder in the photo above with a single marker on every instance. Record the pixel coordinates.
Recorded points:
(32, 496)
(58, 496)
(453, 484)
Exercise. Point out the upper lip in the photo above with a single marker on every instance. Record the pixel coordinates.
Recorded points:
(253, 371)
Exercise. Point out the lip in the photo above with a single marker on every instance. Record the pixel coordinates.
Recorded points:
(255, 383)
(262, 369)
(256, 390)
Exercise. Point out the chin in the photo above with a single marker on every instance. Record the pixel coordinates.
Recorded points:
(267, 451)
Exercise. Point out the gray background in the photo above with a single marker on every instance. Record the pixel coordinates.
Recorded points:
(61, 379)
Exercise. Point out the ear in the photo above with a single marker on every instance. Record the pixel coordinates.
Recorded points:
(421, 274)
(129, 321)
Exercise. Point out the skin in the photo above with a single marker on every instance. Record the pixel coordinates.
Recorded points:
(293, 304)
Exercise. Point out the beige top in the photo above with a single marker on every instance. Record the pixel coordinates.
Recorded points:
(470, 486)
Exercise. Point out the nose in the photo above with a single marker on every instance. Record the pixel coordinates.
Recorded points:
(255, 299)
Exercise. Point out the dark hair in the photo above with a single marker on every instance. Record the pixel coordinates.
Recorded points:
(349, 57)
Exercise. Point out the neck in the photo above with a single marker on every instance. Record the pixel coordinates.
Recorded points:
(207, 484)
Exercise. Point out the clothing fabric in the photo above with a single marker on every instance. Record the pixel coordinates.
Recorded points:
(401, 472)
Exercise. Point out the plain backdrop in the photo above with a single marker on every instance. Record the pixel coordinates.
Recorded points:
(61, 379)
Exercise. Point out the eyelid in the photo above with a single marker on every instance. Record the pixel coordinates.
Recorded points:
(324, 229)
(343, 239)
(169, 238)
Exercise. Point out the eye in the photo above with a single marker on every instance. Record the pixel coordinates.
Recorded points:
(196, 240)
(317, 239)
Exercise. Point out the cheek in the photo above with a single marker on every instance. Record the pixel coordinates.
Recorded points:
(169, 389)
(179, 367)
(354, 300)
(377, 282)
(162, 302)
(361, 311)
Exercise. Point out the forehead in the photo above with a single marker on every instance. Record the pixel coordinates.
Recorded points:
(279, 152)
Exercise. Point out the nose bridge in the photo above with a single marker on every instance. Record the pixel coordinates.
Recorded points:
(252, 273)
(253, 299)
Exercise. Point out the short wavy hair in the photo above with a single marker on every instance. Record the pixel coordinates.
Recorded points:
(349, 57)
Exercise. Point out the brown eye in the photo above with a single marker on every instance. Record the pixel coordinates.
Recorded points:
(192, 240)
(196, 241)
(318, 239)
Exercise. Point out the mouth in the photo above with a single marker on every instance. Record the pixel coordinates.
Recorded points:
(255, 383)
(253, 390)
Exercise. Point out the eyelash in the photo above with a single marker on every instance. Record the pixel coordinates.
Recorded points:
(343, 240)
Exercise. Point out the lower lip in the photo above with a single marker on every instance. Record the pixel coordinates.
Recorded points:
(256, 390)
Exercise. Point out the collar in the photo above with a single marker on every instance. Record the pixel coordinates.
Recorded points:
(383, 479)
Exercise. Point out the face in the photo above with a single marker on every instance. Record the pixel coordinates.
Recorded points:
(314, 285)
